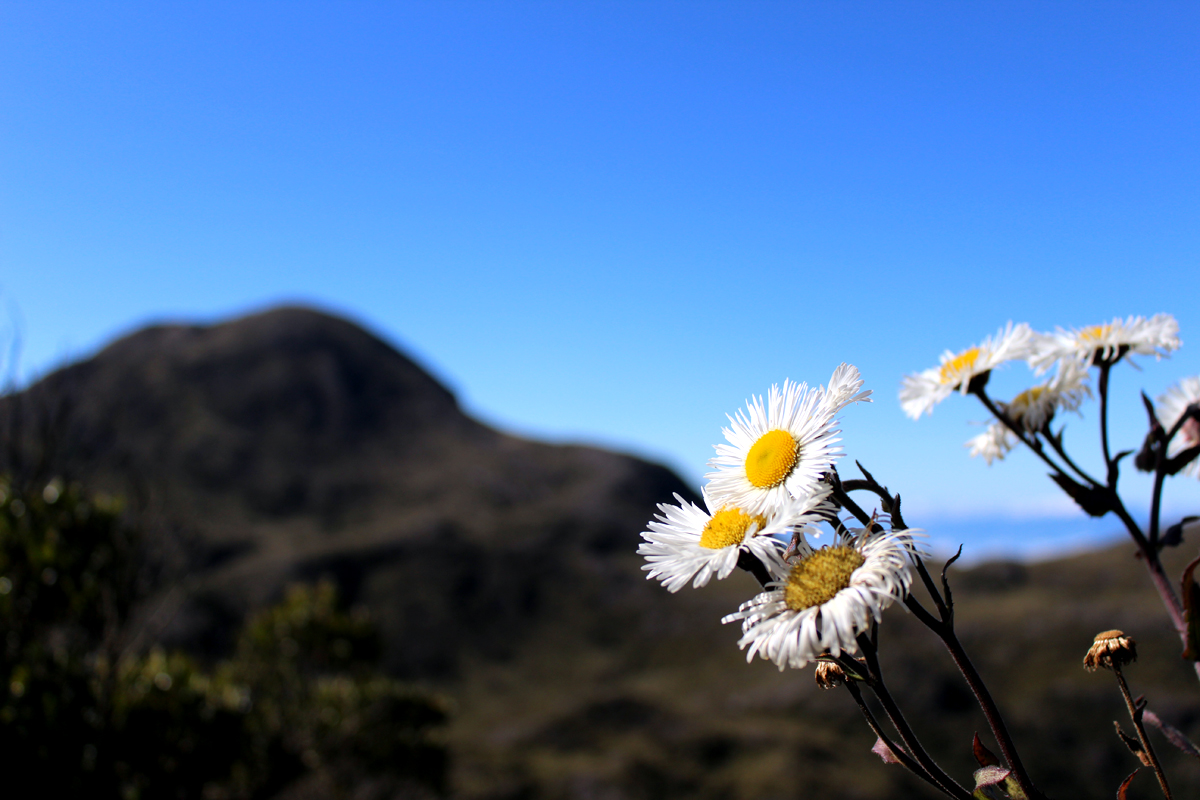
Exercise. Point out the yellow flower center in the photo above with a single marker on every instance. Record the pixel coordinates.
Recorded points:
(728, 527)
(1028, 397)
(820, 576)
(1095, 333)
(771, 459)
(963, 361)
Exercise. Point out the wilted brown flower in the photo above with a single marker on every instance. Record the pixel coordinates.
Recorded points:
(829, 674)
(1109, 649)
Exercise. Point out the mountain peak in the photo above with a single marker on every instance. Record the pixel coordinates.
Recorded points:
(291, 443)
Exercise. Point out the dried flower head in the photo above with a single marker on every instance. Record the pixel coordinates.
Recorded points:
(829, 674)
(1110, 649)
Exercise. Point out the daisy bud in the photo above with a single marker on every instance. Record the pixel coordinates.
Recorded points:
(1110, 649)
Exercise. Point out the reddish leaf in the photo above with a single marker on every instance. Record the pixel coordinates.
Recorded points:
(985, 757)
(1191, 612)
(1133, 744)
(1122, 792)
(1173, 734)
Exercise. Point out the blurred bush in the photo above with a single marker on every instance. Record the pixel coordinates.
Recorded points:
(299, 710)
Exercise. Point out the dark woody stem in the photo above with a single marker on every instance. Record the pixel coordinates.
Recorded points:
(1147, 550)
(907, 735)
(843, 499)
(1135, 713)
(1156, 499)
(871, 485)
(755, 567)
(1160, 474)
(903, 757)
(1158, 575)
(1031, 442)
(945, 631)
(1102, 390)
(1056, 444)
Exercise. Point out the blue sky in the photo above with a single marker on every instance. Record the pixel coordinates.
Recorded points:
(613, 222)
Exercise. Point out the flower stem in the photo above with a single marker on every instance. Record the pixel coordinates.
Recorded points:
(1102, 390)
(1135, 713)
(901, 755)
(1032, 443)
(875, 674)
(945, 632)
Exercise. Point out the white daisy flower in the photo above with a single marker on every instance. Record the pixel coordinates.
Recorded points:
(779, 450)
(1156, 337)
(684, 541)
(993, 444)
(1171, 406)
(845, 387)
(919, 393)
(1032, 410)
(828, 597)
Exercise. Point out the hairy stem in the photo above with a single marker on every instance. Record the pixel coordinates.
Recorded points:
(909, 737)
(1135, 713)
(902, 756)
(990, 711)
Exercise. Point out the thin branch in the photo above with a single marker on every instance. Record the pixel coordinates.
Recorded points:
(1160, 472)
(1033, 444)
(901, 755)
(844, 499)
(943, 607)
(751, 564)
(1135, 713)
(876, 682)
(1102, 390)
(1055, 441)
(945, 631)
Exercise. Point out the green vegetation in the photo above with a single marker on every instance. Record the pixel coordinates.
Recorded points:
(300, 703)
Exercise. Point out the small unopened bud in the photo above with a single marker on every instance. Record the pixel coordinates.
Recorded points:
(1111, 648)
(829, 675)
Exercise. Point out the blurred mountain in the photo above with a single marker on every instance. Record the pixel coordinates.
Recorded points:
(292, 445)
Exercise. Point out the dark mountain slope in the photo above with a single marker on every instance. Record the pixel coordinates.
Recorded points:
(291, 444)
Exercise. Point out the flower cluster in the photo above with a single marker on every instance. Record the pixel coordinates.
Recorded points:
(1070, 354)
(766, 495)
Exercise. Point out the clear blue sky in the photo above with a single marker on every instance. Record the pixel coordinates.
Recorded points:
(612, 222)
